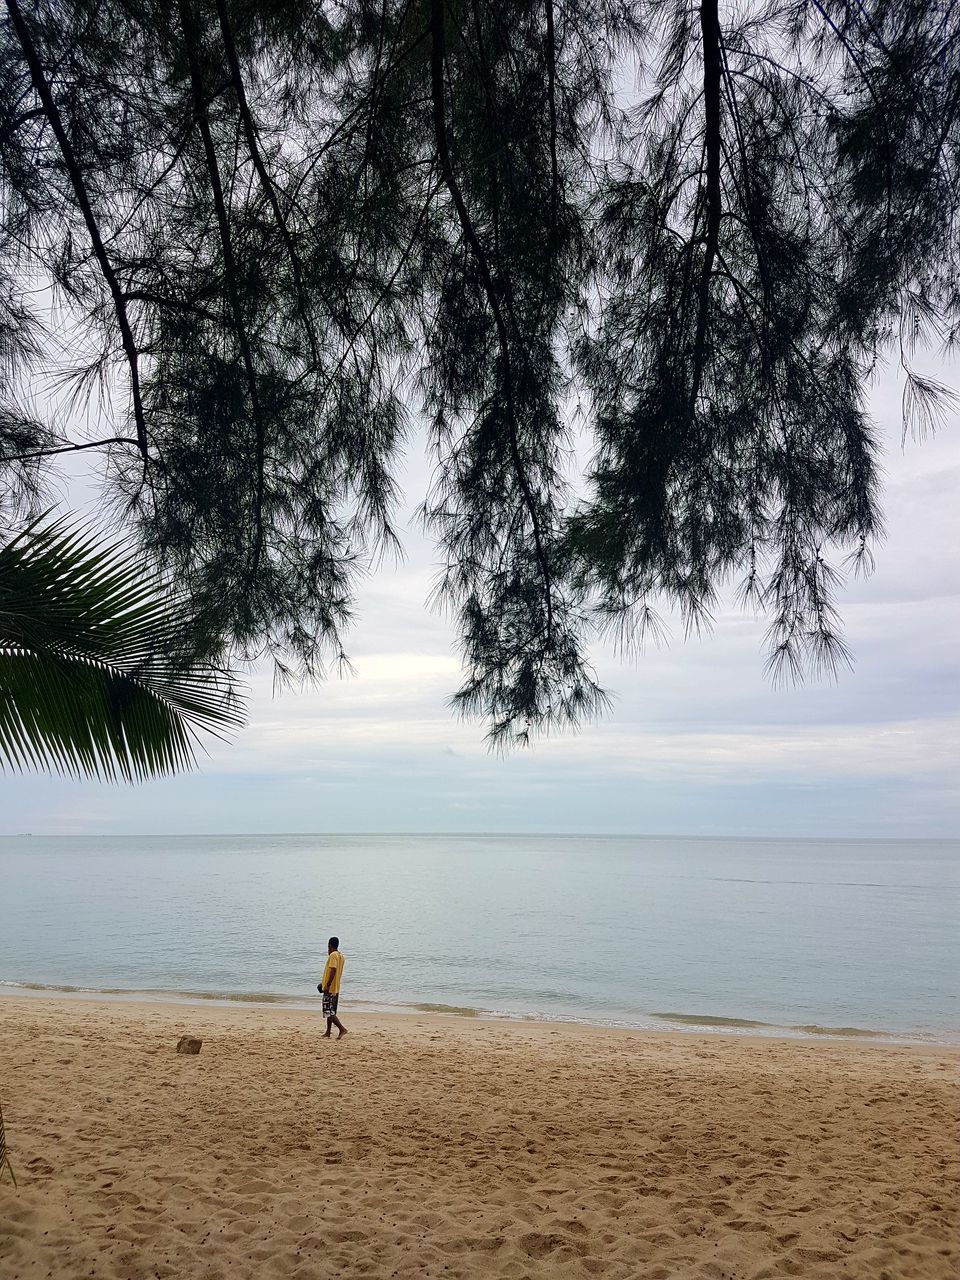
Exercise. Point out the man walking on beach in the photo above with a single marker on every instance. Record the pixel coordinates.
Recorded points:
(330, 988)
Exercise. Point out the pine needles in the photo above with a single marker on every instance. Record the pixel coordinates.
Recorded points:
(287, 232)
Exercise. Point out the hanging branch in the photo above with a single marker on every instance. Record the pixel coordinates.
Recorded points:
(552, 102)
(867, 83)
(83, 200)
(230, 266)
(437, 54)
(712, 68)
(250, 132)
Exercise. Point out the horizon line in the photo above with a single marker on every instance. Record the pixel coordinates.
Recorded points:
(552, 835)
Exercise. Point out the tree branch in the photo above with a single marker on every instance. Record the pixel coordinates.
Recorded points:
(552, 102)
(229, 262)
(80, 191)
(69, 448)
(250, 132)
(176, 304)
(437, 53)
(432, 189)
(710, 30)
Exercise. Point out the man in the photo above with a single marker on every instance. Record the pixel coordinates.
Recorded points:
(329, 988)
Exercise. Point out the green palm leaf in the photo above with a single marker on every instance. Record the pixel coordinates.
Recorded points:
(102, 672)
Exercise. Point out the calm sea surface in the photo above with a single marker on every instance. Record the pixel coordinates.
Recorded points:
(649, 932)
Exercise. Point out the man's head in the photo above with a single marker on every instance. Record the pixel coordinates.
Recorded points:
(332, 944)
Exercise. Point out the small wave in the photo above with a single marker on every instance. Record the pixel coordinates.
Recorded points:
(806, 1029)
(238, 997)
(154, 993)
(62, 986)
(460, 1011)
(814, 1029)
(710, 1020)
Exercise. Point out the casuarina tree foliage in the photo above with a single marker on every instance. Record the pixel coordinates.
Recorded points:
(275, 234)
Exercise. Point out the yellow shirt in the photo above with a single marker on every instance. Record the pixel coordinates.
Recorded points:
(332, 973)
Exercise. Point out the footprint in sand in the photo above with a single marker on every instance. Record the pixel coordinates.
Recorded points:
(537, 1244)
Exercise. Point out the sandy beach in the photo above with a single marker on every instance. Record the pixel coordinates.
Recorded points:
(434, 1146)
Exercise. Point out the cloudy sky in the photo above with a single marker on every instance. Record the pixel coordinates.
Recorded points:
(698, 740)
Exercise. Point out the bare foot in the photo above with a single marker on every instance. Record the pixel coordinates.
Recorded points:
(341, 1035)
(326, 1036)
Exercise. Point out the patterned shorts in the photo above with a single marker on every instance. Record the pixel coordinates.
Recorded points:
(330, 1005)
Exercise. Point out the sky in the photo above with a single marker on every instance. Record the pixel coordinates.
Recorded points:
(698, 741)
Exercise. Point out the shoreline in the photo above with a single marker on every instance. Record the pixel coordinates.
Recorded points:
(681, 1025)
(433, 1147)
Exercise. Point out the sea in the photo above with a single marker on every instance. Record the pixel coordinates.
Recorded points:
(744, 936)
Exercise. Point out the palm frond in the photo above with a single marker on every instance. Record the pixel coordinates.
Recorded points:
(102, 667)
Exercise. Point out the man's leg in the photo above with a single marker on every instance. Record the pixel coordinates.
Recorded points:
(341, 1029)
(330, 1022)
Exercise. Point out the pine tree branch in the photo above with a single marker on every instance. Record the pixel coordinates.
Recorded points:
(710, 30)
(83, 200)
(437, 55)
(69, 448)
(432, 189)
(253, 145)
(229, 263)
(552, 104)
(868, 85)
(176, 304)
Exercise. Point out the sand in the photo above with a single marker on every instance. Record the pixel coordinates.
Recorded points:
(431, 1146)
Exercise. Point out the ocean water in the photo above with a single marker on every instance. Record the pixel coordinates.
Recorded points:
(760, 935)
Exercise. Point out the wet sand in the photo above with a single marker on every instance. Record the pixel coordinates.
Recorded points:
(448, 1147)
